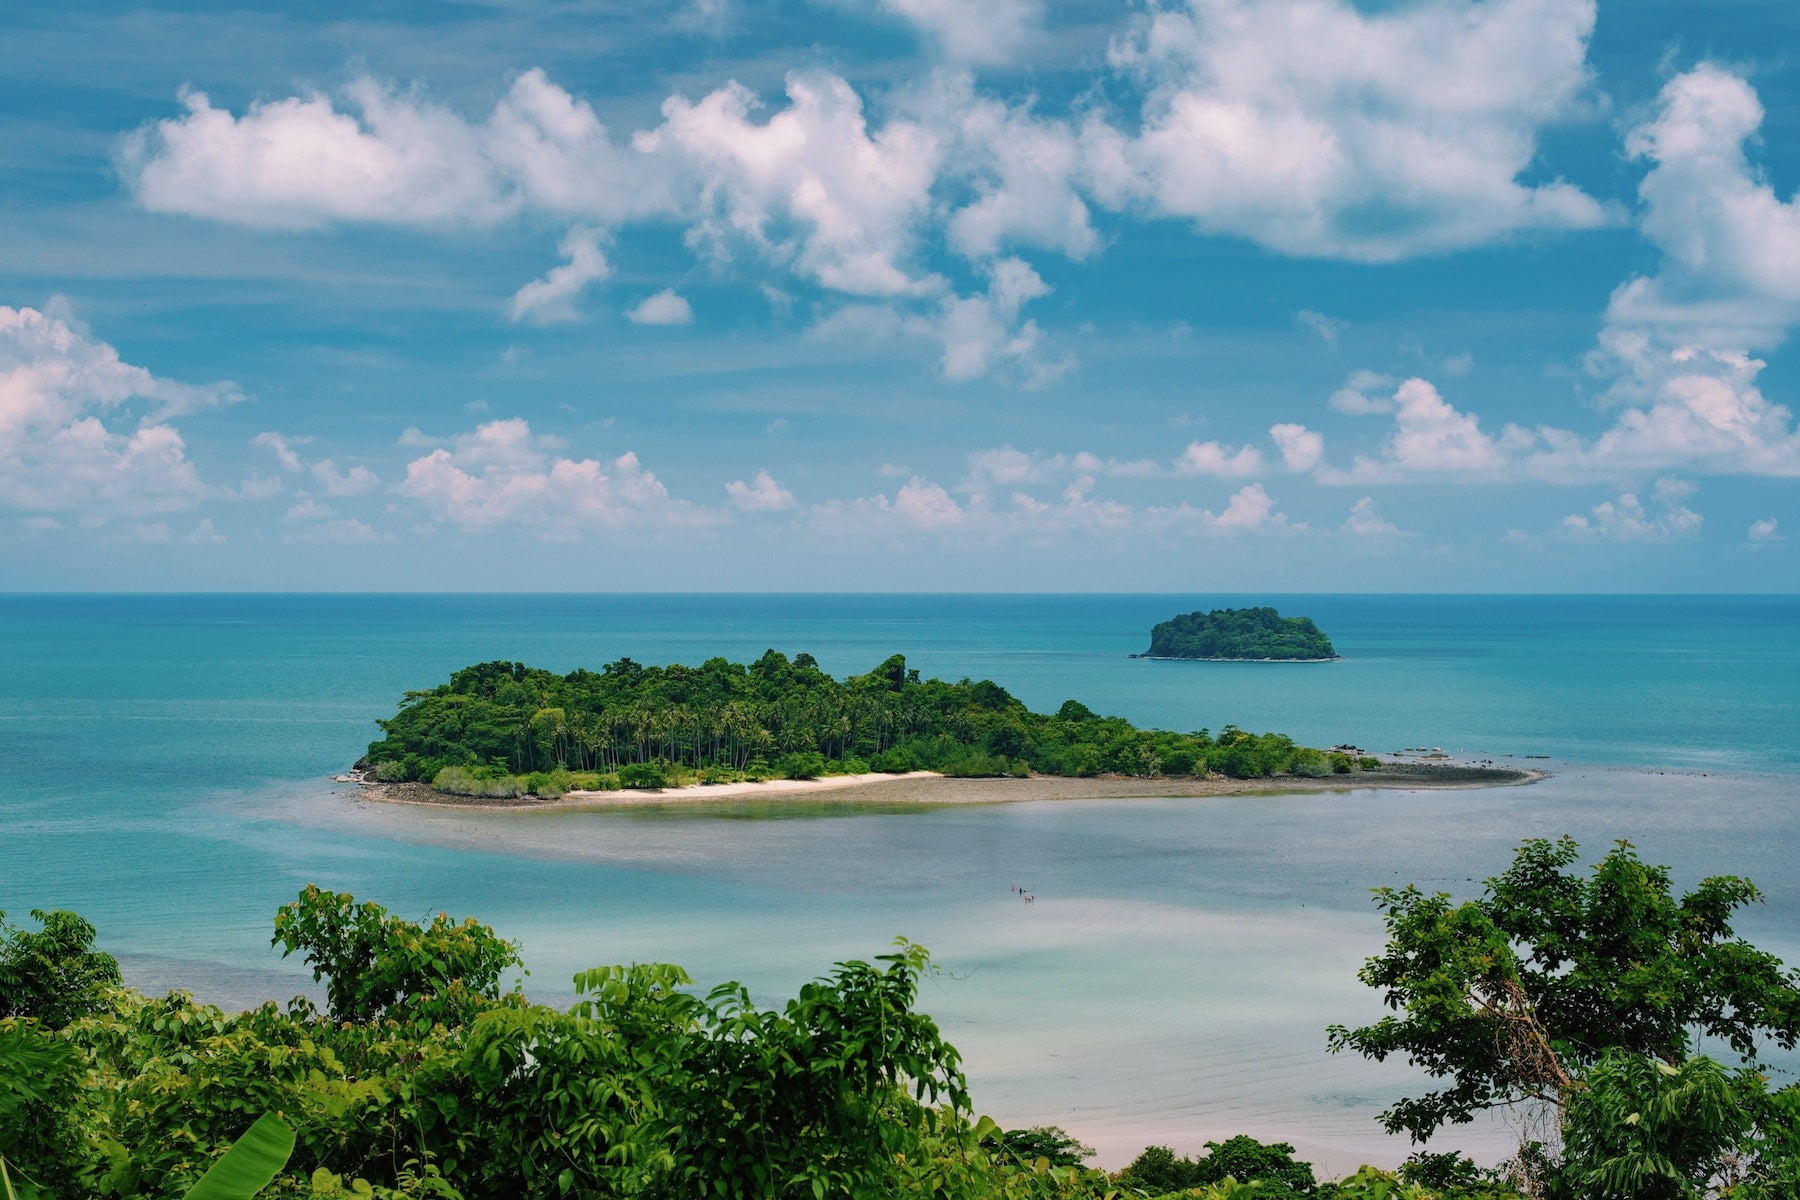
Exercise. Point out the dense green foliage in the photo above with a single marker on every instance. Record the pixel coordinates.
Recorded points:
(425, 1078)
(1247, 633)
(1581, 997)
(504, 729)
(53, 974)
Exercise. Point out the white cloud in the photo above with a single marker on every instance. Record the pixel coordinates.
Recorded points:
(978, 335)
(1210, 458)
(1354, 397)
(1301, 448)
(926, 505)
(279, 445)
(979, 331)
(1627, 520)
(1365, 522)
(501, 475)
(1022, 168)
(925, 509)
(1249, 509)
(1003, 468)
(762, 494)
(57, 456)
(392, 157)
(667, 307)
(1764, 530)
(812, 187)
(204, 534)
(309, 509)
(357, 481)
(979, 31)
(1326, 329)
(552, 299)
(1430, 438)
(344, 531)
(259, 487)
(1680, 347)
(1314, 129)
(143, 531)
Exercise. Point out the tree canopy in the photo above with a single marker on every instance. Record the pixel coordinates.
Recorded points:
(503, 727)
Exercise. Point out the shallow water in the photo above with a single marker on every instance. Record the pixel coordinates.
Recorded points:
(163, 767)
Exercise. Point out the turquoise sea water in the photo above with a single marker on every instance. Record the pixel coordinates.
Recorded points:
(165, 764)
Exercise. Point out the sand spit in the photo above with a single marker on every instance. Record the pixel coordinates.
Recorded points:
(926, 787)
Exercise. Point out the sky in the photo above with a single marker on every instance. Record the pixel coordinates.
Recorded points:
(901, 295)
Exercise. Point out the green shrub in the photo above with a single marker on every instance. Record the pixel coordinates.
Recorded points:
(643, 775)
(809, 764)
(479, 782)
(894, 762)
(1367, 763)
(1309, 764)
(390, 771)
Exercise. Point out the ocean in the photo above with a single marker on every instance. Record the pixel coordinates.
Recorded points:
(165, 767)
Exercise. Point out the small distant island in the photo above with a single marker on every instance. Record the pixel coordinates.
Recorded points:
(1240, 635)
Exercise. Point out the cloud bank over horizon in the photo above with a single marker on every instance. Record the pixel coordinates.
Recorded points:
(906, 242)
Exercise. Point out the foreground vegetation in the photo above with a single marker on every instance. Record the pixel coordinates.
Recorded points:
(505, 729)
(1253, 634)
(429, 1075)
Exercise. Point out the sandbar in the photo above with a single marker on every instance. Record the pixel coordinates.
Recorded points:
(929, 788)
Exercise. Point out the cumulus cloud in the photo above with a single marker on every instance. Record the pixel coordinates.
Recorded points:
(552, 299)
(1765, 530)
(1680, 347)
(357, 481)
(978, 335)
(980, 331)
(667, 307)
(1012, 175)
(1628, 520)
(58, 385)
(762, 494)
(502, 475)
(344, 531)
(1313, 128)
(203, 534)
(1360, 396)
(1365, 522)
(811, 187)
(977, 31)
(1432, 438)
(1211, 458)
(381, 155)
(923, 508)
(279, 445)
(995, 471)
(1301, 448)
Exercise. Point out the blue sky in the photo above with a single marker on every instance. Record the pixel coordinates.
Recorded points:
(901, 294)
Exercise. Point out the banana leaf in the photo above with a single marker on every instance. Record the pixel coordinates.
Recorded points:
(253, 1160)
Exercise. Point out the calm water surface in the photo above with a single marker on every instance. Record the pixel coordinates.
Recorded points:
(164, 767)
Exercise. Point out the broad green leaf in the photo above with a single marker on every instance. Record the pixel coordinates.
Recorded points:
(253, 1160)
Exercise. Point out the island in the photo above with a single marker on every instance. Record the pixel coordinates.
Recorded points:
(504, 730)
(1240, 635)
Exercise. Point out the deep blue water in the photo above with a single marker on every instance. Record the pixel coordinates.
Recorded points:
(165, 763)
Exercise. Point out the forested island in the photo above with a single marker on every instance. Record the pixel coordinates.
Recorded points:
(1240, 635)
(504, 729)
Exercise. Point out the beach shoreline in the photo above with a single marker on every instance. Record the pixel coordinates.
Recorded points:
(929, 788)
